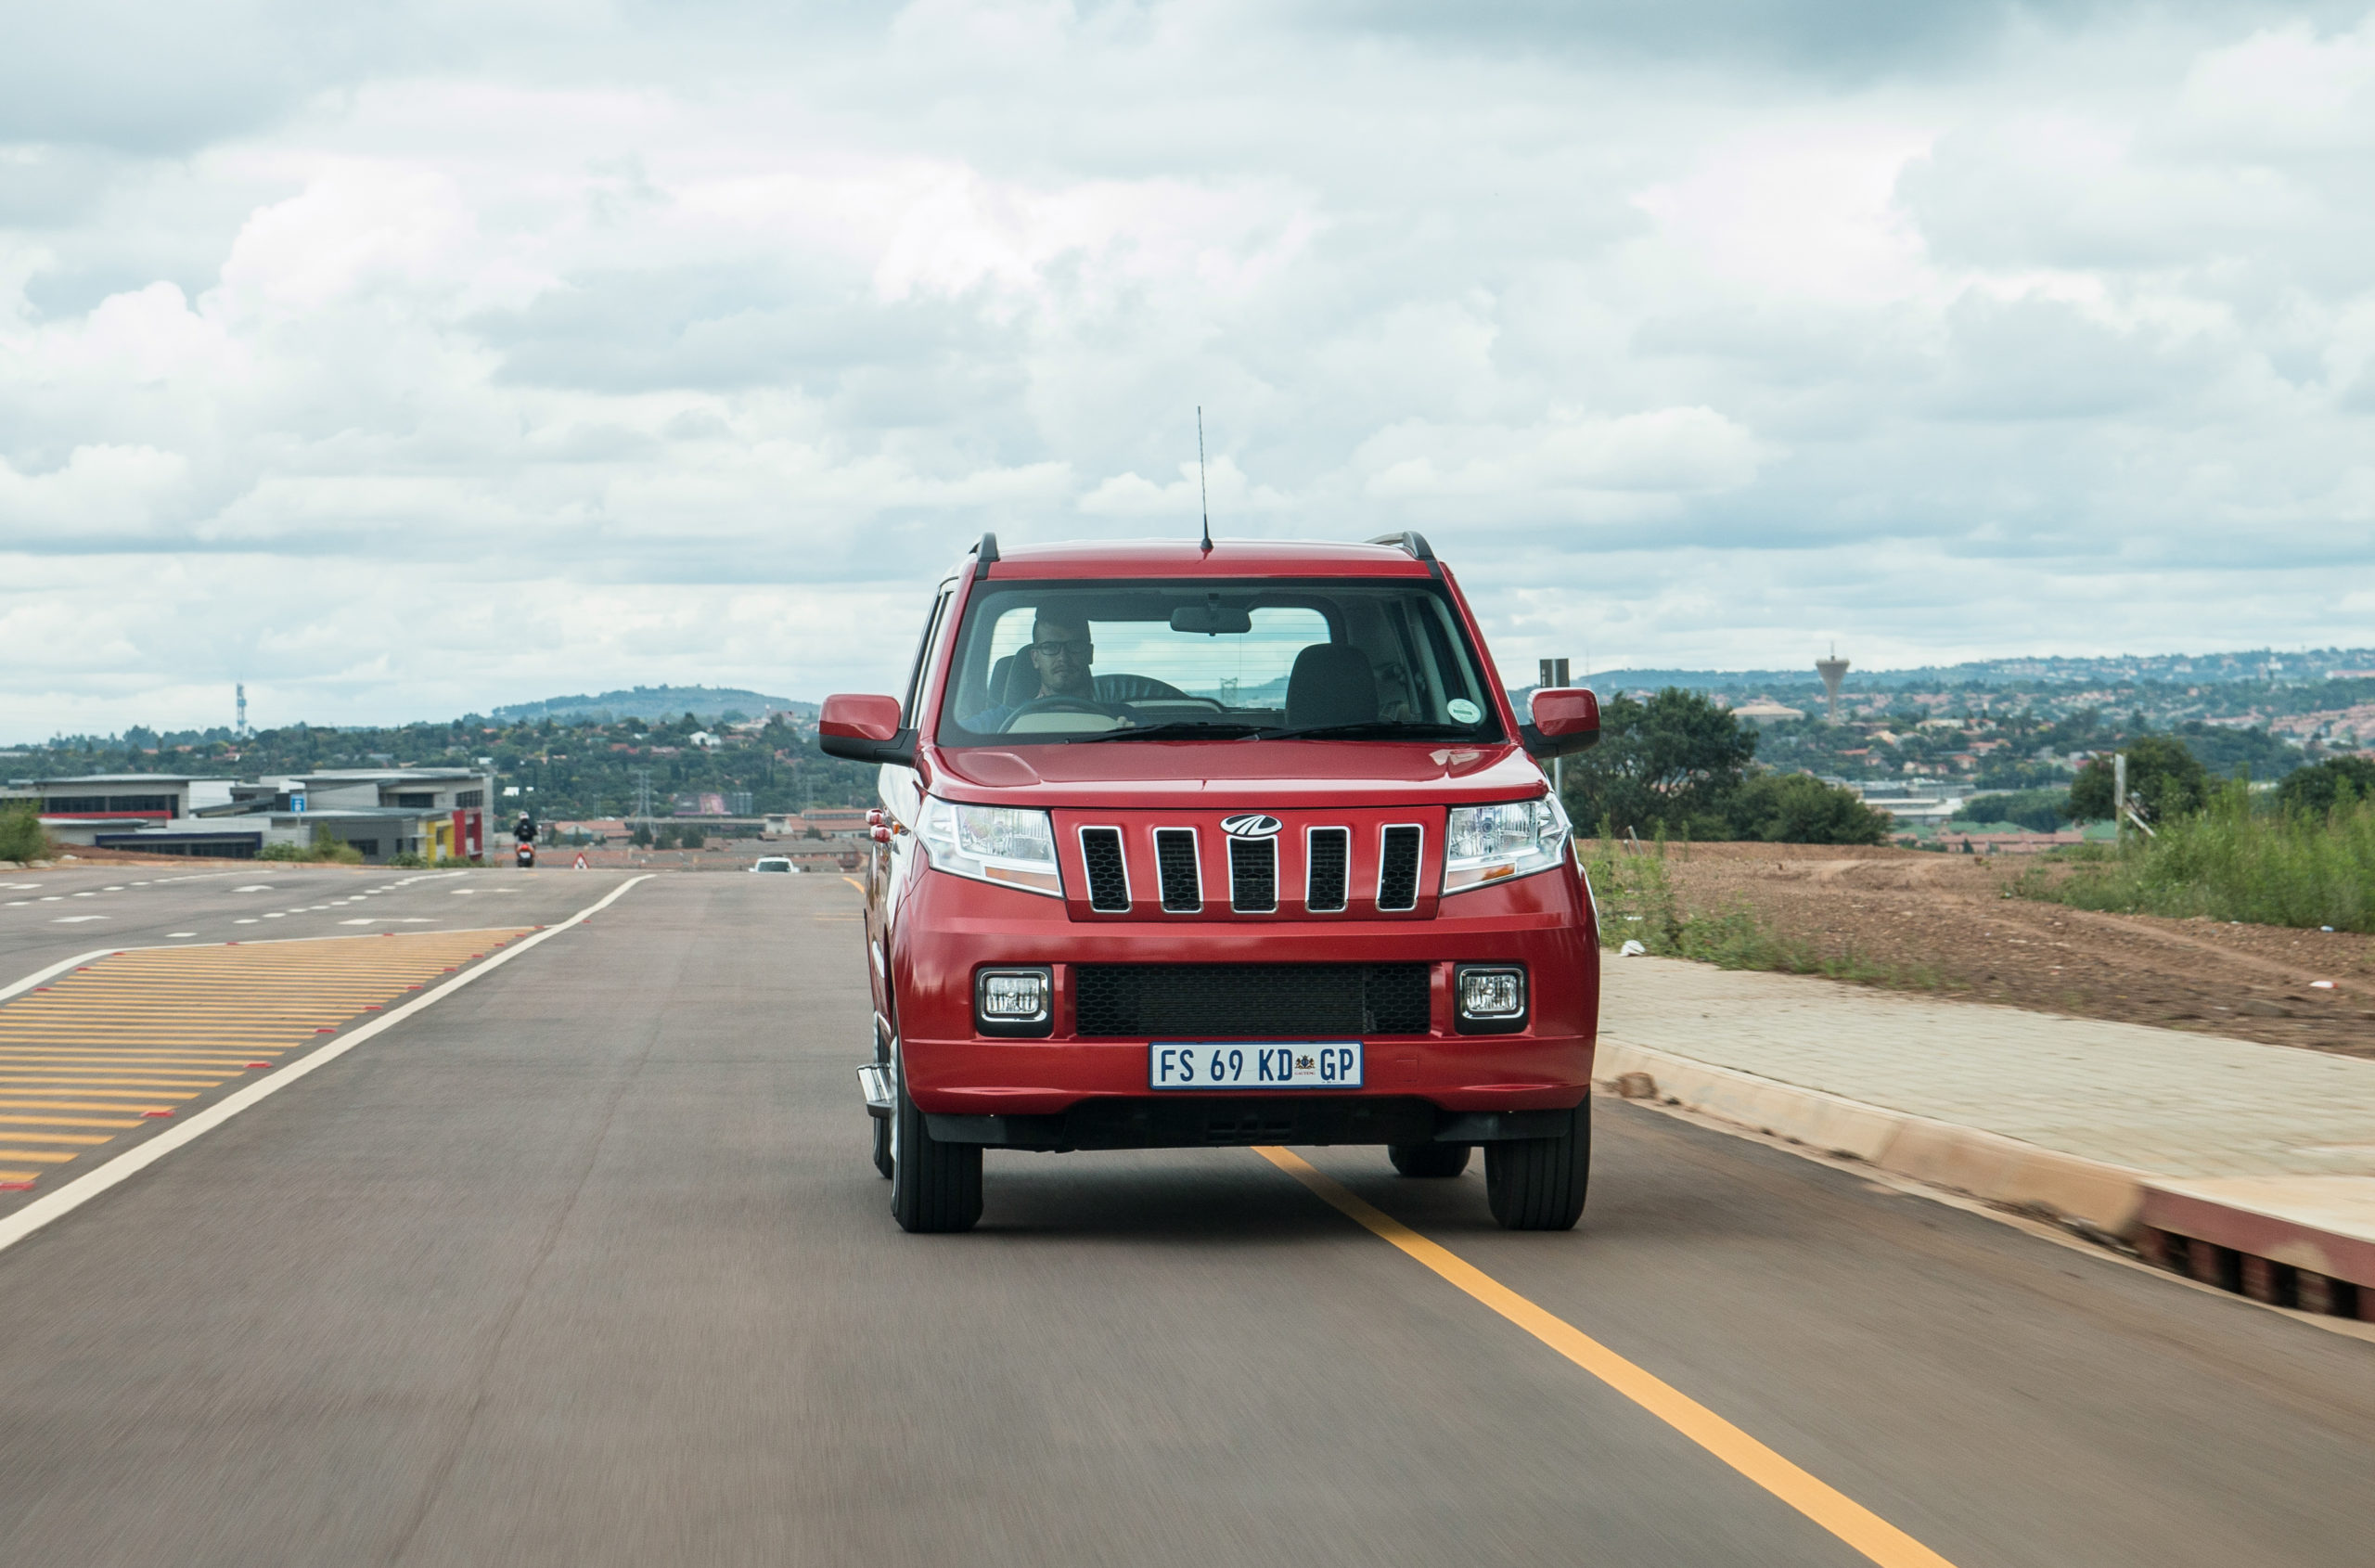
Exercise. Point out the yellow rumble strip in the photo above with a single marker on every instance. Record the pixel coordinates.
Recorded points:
(140, 1033)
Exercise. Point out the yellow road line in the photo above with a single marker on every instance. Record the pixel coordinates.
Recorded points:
(28, 1098)
(110, 1077)
(1856, 1525)
(21, 1136)
(66, 1122)
(127, 1103)
(136, 1059)
(37, 1156)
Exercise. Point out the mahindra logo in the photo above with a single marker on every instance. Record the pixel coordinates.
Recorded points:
(1250, 825)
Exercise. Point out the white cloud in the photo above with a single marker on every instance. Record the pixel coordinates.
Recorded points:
(410, 363)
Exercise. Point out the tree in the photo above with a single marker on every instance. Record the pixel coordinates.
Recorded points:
(1674, 761)
(2040, 811)
(2329, 784)
(641, 836)
(2164, 778)
(1798, 808)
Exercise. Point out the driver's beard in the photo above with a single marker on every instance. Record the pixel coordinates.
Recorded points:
(1080, 686)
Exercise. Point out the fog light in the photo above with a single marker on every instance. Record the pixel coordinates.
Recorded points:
(1491, 998)
(1014, 1001)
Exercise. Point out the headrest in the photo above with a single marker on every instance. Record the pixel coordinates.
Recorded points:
(1332, 684)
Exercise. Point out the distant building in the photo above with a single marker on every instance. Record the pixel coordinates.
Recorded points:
(1764, 711)
(1909, 804)
(436, 812)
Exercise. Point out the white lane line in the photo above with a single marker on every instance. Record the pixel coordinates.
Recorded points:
(75, 920)
(181, 933)
(56, 1206)
(62, 967)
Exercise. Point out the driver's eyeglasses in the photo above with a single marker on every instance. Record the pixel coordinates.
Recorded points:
(1079, 648)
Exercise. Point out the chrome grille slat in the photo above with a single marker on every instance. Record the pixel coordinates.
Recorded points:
(1175, 862)
(1327, 860)
(1254, 875)
(1109, 878)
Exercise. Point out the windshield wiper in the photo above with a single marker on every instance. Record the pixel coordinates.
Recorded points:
(1374, 729)
(1184, 729)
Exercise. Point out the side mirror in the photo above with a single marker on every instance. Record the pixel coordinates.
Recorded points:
(865, 729)
(1565, 719)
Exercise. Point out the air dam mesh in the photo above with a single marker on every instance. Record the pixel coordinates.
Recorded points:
(1250, 1001)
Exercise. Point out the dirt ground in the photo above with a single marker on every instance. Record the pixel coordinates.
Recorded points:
(1946, 917)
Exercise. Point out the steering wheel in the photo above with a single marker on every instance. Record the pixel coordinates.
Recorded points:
(1136, 688)
(1060, 704)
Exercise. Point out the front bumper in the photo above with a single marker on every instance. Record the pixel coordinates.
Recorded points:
(1064, 1091)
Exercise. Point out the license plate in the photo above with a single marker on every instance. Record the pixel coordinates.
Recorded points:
(1253, 1065)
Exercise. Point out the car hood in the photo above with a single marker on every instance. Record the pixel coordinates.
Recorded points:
(1169, 773)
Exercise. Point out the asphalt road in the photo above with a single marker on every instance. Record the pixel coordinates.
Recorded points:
(48, 916)
(585, 1265)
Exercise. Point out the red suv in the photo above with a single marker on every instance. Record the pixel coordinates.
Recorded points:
(1189, 846)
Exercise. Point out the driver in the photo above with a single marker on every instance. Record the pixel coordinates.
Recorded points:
(1059, 652)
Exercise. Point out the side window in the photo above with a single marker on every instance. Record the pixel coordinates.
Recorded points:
(923, 662)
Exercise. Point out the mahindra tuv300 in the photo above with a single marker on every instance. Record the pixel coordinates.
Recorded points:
(1189, 846)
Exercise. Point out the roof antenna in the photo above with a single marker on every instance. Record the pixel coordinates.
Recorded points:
(1201, 490)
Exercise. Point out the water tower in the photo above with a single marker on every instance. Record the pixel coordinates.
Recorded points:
(1832, 670)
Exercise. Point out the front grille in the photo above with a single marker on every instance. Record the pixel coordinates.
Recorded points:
(1397, 870)
(1108, 885)
(1256, 1001)
(1254, 875)
(1175, 862)
(1326, 876)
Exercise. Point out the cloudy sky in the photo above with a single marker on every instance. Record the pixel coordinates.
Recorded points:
(408, 357)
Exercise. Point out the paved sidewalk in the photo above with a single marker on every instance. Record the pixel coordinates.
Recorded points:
(2264, 1151)
(2163, 1100)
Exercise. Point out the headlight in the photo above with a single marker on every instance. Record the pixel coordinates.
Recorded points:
(1008, 845)
(1492, 843)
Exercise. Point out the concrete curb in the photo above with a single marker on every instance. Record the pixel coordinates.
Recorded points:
(1987, 1165)
(2257, 1239)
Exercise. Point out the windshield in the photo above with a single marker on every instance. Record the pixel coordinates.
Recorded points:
(1361, 660)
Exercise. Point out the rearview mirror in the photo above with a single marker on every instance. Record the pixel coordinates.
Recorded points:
(1210, 619)
(1565, 719)
(865, 729)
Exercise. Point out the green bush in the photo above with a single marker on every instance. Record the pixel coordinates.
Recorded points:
(2232, 863)
(325, 849)
(21, 835)
(1798, 808)
(408, 861)
(332, 850)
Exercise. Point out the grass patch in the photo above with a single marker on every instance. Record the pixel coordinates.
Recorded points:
(1637, 902)
(2230, 862)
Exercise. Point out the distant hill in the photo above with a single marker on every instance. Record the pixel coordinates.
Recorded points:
(2171, 669)
(656, 702)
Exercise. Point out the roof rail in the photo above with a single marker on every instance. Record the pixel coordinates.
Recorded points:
(985, 554)
(1415, 544)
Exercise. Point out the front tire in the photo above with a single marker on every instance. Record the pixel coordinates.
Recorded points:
(1428, 1159)
(935, 1186)
(1537, 1183)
